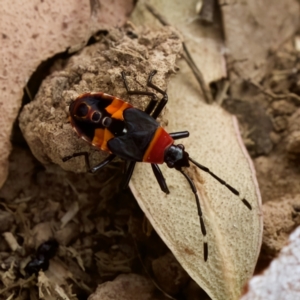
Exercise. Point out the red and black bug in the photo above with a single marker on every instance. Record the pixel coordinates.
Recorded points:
(115, 126)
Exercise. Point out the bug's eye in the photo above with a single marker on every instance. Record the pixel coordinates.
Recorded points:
(96, 117)
(82, 110)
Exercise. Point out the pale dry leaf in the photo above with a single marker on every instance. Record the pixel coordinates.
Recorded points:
(77, 256)
(11, 296)
(33, 31)
(39, 234)
(61, 293)
(11, 241)
(233, 232)
(44, 285)
(281, 279)
(70, 214)
(58, 272)
(53, 284)
(9, 277)
(297, 43)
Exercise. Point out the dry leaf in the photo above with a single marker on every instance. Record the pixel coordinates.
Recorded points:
(125, 287)
(52, 284)
(11, 241)
(233, 232)
(70, 214)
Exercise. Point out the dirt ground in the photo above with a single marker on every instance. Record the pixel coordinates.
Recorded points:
(105, 240)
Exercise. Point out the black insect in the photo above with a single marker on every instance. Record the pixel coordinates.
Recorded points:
(40, 261)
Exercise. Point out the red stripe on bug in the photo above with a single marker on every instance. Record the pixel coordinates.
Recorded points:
(156, 149)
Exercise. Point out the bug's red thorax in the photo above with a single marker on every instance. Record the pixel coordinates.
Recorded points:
(156, 149)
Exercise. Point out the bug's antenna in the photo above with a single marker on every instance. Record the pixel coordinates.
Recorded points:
(223, 182)
(203, 229)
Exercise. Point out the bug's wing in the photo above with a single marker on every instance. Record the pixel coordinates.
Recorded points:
(233, 231)
(140, 131)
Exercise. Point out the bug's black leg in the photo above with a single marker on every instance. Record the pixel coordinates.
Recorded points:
(162, 103)
(153, 99)
(128, 174)
(223, 182)
(202, 225)
(179, 135)
(103, 163)
(160, 178)
(87, 161)
(86, 158)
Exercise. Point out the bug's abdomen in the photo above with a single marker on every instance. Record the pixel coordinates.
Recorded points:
(156, 149)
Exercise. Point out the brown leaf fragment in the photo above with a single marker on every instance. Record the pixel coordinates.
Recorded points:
(40, 233)
(125, 287)
(254, 122)
(169, 274)
(254, 28)
(51, 290)
(65, 235)
(283, 107)
(6, 220)
(9, 276)
(11, 241)
(112, 263)
(293, 138)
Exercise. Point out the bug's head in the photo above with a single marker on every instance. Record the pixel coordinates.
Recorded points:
(83, 109)
(176, 157)
(87, 115)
